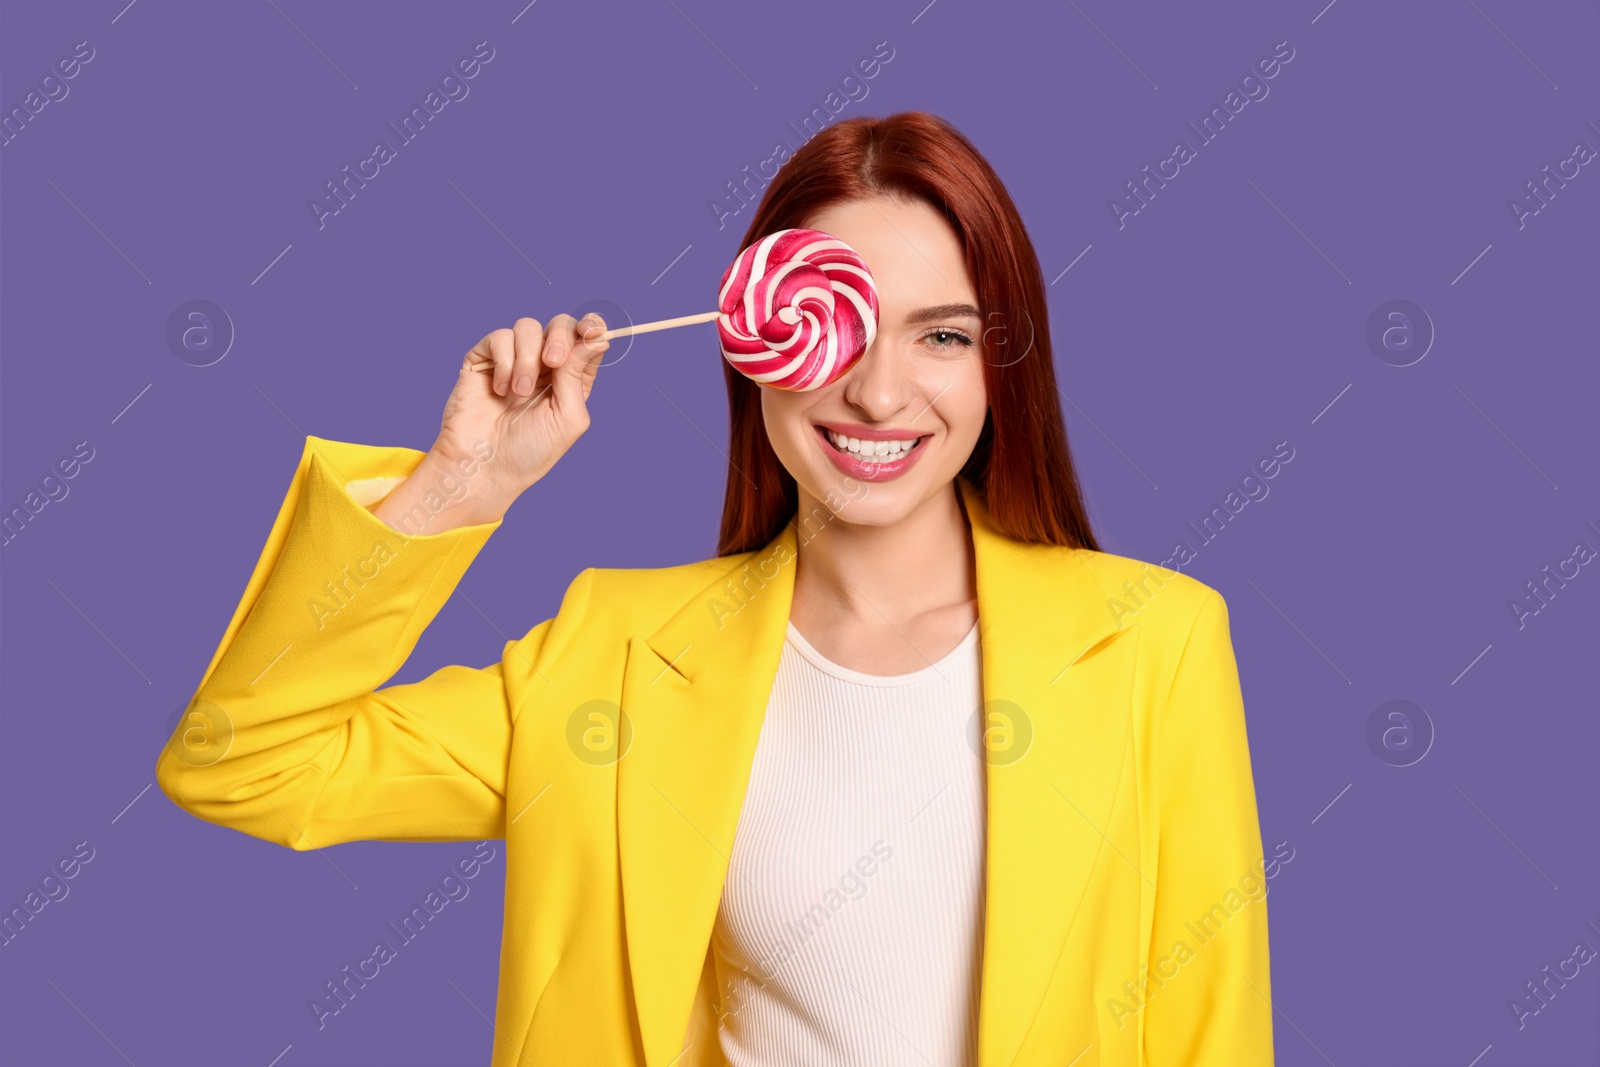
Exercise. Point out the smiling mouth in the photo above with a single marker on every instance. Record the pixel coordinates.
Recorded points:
(871, 451)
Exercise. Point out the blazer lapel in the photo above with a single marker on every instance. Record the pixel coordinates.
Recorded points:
(696, 690)
(1056, 692)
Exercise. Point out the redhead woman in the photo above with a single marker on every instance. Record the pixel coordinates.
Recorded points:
(887, 780)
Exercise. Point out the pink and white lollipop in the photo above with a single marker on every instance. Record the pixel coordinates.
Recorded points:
(795, 311)
(798, 308)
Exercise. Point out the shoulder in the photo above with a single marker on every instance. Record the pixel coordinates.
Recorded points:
(604, 607)
(1180, 620)
(633, 596)
(1165, 603)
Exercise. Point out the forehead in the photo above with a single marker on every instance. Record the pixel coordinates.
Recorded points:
(912, 252)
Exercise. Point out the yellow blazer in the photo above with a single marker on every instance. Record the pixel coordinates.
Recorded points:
(1125, 919)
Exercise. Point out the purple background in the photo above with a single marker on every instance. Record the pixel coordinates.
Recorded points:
(1419, 501)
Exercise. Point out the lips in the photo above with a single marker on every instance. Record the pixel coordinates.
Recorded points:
(869, 448)
(872, 458)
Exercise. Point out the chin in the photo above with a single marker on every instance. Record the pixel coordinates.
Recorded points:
(861, 502)
(854, 515)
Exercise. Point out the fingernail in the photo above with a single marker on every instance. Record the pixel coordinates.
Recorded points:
(500, 388)
(524, 385)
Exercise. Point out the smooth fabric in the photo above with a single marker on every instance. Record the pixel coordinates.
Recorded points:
(852, 911)
(1125, 918)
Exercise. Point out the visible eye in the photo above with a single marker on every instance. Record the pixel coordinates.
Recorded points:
(946, 338)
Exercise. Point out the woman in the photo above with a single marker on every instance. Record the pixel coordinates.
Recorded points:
(895, 777)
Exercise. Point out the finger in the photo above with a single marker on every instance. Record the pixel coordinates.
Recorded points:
(560, 336)
(587, 354)
(590, 349)
(529, 336)
(591, 326)
(497, 348)
(588, 341)
(480, 358)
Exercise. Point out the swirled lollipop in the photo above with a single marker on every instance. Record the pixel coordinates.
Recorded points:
(798, 308)
(795, 311)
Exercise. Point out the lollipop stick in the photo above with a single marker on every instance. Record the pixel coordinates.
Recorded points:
(624, 331)
(664, 324)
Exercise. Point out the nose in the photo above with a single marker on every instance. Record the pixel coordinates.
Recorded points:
(879, 385)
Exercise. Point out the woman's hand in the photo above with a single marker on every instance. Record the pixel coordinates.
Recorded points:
(520, 401)
(523, 392)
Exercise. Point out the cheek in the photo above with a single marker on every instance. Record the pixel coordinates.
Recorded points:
(784, 419)
(971, 405)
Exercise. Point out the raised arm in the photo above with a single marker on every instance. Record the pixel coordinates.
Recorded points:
(289, 737)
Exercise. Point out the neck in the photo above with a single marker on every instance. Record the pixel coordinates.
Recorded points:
(884, 573)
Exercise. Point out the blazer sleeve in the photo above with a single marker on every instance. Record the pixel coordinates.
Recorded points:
(289, 737)
(1209, 991)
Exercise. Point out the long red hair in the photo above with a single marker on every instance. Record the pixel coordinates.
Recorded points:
(1020, 465)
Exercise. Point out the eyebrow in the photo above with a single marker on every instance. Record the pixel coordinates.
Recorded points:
(943, 311)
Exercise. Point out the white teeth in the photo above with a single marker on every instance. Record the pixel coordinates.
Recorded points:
(872, 451)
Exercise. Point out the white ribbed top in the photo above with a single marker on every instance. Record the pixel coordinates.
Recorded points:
(851, 924)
